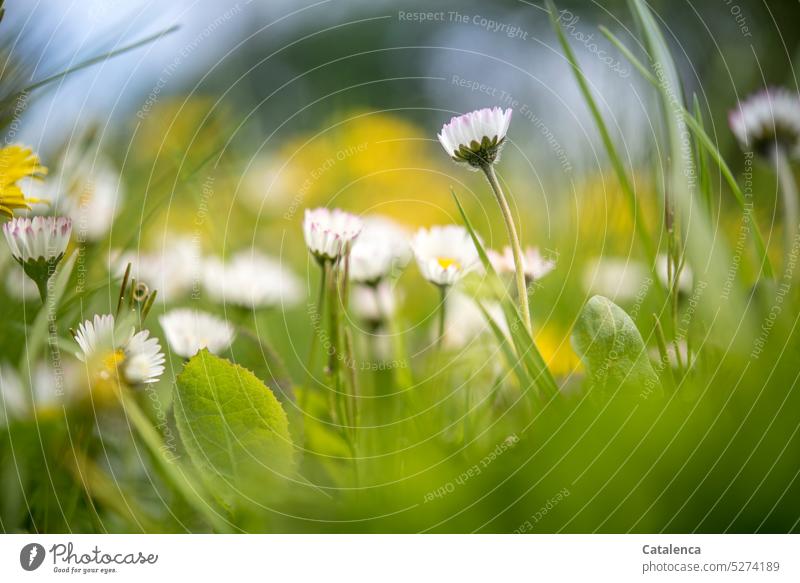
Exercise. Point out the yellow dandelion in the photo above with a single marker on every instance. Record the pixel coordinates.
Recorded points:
(16, 163)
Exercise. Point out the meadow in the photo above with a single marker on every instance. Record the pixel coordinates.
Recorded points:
(384, 323)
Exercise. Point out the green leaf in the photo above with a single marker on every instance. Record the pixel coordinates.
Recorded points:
(613, 351)
(235, 430)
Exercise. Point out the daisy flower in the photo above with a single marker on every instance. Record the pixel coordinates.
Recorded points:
(373, 303)
(38, 244)
(329, 234)
(189, 331)
(476, 137)
(16, 163)
(115, 357)
(686, 278)
(768, 119)
(173, 271)
(615, 278)
(94, 201)
(535, 265)
(444, 254)
(251, 280)
(381, 248)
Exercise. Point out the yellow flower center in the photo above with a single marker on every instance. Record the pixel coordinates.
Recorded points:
(445, 262)
(110, 363)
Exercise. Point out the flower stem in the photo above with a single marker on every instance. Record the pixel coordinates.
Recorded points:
(152, 439)
(442, 317)
(522, 290)
(790, 212)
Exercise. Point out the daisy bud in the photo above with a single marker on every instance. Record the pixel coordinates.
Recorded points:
(476, 137)
(330, 233)
(189, 331)
(768, 119)
(444, 254)
(38, 244)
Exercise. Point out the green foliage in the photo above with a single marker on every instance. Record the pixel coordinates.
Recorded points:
(613, 351)
(235, 430)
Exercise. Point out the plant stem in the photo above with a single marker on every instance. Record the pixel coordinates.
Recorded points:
(789, 192)
(522, 290)
(442, 317)
(152, 440)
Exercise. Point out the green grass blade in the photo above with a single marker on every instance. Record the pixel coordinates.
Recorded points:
(613, 155)
(99, 58)
(704, 140)
(526, 348)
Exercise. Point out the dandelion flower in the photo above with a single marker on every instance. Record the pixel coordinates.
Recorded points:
(330, 233)
(444, 254)
(251, 280)
(768, 119)
(476, 137)
(38, 244)
(189, 331)
(16, 163)
(117, 357)
(381, 248)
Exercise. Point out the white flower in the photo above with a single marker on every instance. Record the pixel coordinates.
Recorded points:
(381, 247)
(768, 118)
(444, 254)
(173, 271)
(476, 137)
(534, 264)
(615, 278)
(189, 331)
(373, 304)
(330, 233)
(94, 200)
(38, 238)
(684, 281)
(251, 280)
(465, 322)
(13, 404)
(18, 285)
(134, 358)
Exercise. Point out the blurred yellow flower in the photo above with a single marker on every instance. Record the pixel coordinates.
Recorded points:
(557, 352)
(369, 163)
(16, 163)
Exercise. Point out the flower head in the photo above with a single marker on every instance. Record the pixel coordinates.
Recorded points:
(768, 119)
(444, 254)
(189, 331)
(115, 356)
(535, 265)
(251, 280)
(172, 271)
(374, 304)
(16, 163)
(381, 247)
(476, 137)
(94, 200)
(330, 233)
(38, 244)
